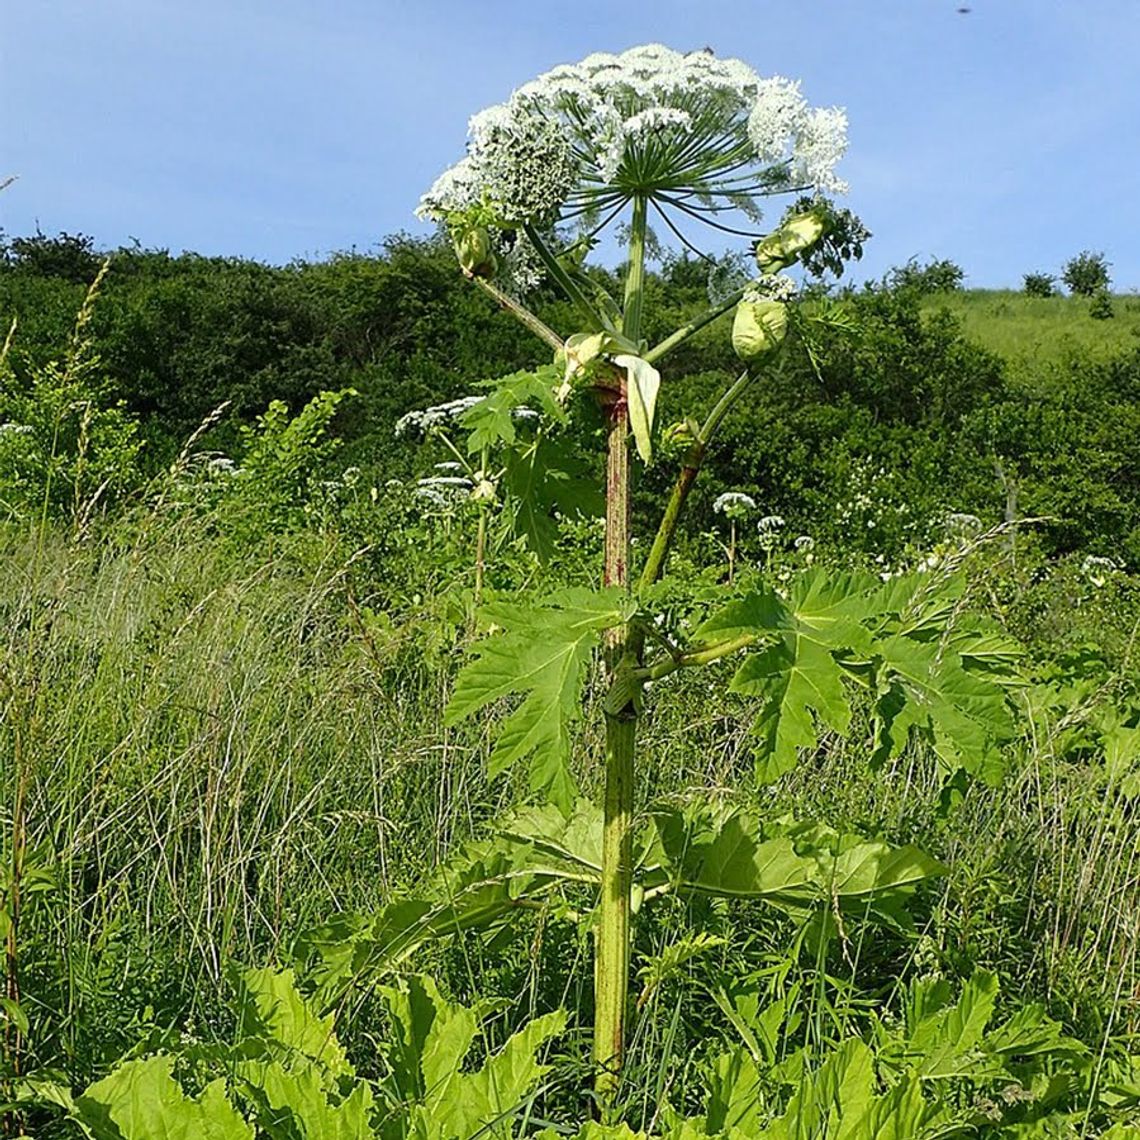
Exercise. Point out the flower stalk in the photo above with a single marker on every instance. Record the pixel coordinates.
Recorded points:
(611, 983)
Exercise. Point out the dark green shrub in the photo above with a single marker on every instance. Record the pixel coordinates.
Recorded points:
(1100, 308)
(1039, 284)
(937, 276)
(1086, 274)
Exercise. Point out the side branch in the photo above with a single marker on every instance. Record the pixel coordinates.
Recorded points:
(696, 657)
(695, 325)
(655, 563)
(519, 310)
(564, 281)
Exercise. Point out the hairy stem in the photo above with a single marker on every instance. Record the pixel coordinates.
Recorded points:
(611, 977)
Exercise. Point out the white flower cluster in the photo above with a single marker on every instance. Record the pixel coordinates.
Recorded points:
(812, 140)
(1097, 569)
(444, 491)
(518, 159)
(598, 124)
(421, 420)
(769, 524)
(778, 287)
(733, 504)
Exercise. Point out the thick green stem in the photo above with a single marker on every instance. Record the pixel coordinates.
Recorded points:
(611, 975)
(564, 281)
(655, 563)
(635, 275)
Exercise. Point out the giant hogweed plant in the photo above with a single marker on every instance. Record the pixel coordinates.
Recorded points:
(682, 140)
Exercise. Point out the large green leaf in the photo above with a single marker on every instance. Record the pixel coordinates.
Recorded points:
(295, 1102)
(793, 865)
(798, 672)
(936, 670)
(271, 1010)
(832, 1101)
(944, 1043)
(546, 480)
(945, 1039)
(926, 687)
(141, 1100)
(492, 421)
(488, 1097)
(542, 655)
(432, 1040)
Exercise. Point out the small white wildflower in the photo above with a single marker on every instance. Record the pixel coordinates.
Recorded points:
(449, 465)
(778, 287)
(1097, 569)
(734, 504)
(805, 544)
(769, 524)
(432, 495)
(423, 419)
(16, 429)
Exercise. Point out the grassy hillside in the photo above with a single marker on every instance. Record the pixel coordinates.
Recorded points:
(1030, 331)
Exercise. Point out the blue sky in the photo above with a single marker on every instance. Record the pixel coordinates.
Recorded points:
(1005, 139)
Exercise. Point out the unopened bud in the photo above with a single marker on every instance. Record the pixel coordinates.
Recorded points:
(473, 248)
(484, 489)
(758, 328)
(784, 246)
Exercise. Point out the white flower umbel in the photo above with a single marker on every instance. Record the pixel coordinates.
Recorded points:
(1097, 569)
(693, 134)
(423, 419)
(734, 504)
(778, 287)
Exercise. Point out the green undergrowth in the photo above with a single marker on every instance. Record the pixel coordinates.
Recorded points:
(217, 747)
(276, 735)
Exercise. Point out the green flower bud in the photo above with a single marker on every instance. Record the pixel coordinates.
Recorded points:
(758, 328)
(796, 236)
(636, 898)
(679, 435)
(483, 491)
(473, 248)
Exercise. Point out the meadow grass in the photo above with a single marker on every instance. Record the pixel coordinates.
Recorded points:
(1029, 332)
(212, 747)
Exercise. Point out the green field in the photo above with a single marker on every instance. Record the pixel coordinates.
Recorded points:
(1033, 331)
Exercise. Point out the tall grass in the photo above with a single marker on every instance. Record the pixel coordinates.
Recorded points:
(203, 754)
(210, 745)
